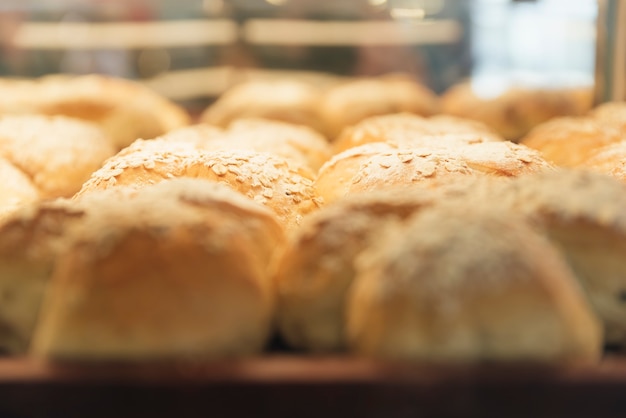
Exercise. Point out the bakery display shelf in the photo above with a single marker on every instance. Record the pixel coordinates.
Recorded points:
(288, 385)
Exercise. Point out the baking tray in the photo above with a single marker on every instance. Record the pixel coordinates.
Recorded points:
(296, 386)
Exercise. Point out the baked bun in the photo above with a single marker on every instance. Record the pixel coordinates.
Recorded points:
(286, 189)
(610, 159)
(378, 166)
(406, 128)
(287, 100)
(57, 153)
(173, 270)
(30, 239)
(584, 213)
(611, 114)
(458, 284)
(316, 269)
(569, 141)
(349, 103)
(16, 189)
(517, 110)
(123, 109)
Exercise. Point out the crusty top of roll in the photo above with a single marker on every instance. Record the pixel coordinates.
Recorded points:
(174, 269)
(469, 284)
(16, 188)
(288, 190)
(314, 273)
(611, 114)
(568, 141)
(124, 109)
(285, 100)
(56, 152)
(377, 166)
(517, 110)
(610, 159)
(400, 128)
(348, 103)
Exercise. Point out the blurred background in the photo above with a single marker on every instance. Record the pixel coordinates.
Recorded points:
(192, 50)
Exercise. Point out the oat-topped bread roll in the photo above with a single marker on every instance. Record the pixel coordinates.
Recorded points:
(297, 143)
(316, 270)
(458, 284)
(610, 159)
(30, 239)
(611, 114)
(402, 128)
(285, 100)
(16, 188)
(286, 189)
(175, 270)
(124, 109)
(585, 214)
(517, 110)
(568, 141)
(377, 166)
(348, 103)
(57, 153)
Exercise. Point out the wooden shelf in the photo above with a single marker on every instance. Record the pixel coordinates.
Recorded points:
(300, 387)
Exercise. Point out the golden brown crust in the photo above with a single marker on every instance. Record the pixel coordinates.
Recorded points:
(316, 270)
(125, 110)
(611, 114)
(176, 269)
(348, 103)
(287, 190)
(57, 153)
(516, 111)
(610, 159)
(428, 292)
(407, 128)
(286, 100)
(16, 189)
(569, 141)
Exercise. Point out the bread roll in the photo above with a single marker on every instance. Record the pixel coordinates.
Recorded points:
(57, 153)
(348, 103)
(16, 189)
(517, 110)
(457, 284)
(287, 190)
(287, 100)
(585, 215)
(610, 159)
(30, 239)
(316, 270)
(123, 109)
(569, 141)
(402, 128)
(611, 114)
(178, 269)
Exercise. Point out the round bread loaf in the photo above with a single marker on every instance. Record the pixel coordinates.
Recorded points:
(584, 213)
(316, 270)
(178, 269)
(610, 159)
(458, 284)
(286, 189)
(57, 153)
(16, 189)
(30, 239)
(611, 114)
(517, 110)
(378, 166)
(286, 100)
(123, 109)
(348, 103)
(568, 141)
(407, 128)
